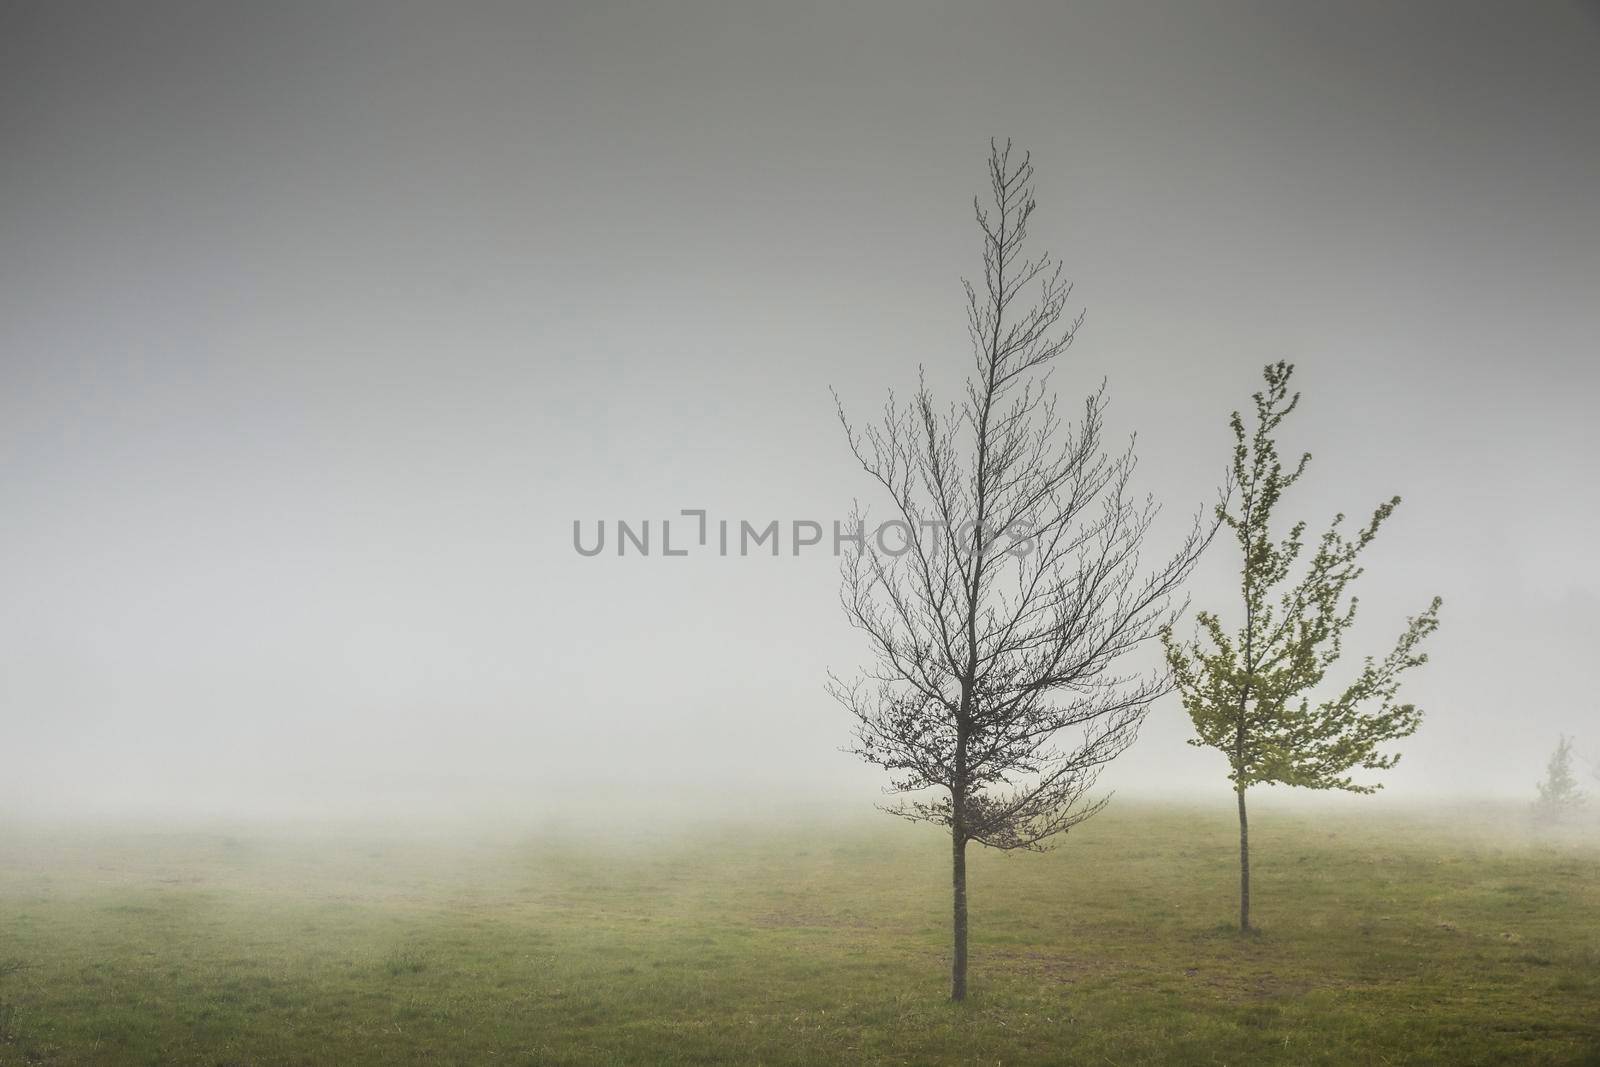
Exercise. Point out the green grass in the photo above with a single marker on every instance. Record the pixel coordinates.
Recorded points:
(1386, 938)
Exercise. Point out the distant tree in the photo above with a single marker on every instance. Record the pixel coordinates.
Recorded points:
(1559, 795)
(1248, 694)
(1000, 608)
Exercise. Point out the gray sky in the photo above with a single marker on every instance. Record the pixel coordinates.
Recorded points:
(319, 325)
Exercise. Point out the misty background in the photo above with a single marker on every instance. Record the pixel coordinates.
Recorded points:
(321, 324)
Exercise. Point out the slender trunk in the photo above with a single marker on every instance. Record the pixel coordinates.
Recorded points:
(958, 881)
(1244, 866)
(973, 590)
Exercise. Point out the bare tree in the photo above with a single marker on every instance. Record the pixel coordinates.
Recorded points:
(1000, 608)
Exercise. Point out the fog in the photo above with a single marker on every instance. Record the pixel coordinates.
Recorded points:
(320, 327)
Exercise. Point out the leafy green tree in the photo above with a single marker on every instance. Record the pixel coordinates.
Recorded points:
(1559, 795)
(1249, 694)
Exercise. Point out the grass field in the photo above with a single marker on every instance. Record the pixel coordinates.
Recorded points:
(1387, 938)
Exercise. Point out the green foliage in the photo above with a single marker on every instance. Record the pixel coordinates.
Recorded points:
(1249, 694)
(1558, 793)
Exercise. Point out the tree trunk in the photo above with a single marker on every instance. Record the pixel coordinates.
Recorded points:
(958, 881)
(1244, 866)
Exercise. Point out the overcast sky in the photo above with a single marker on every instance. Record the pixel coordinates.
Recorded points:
(320, 324)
